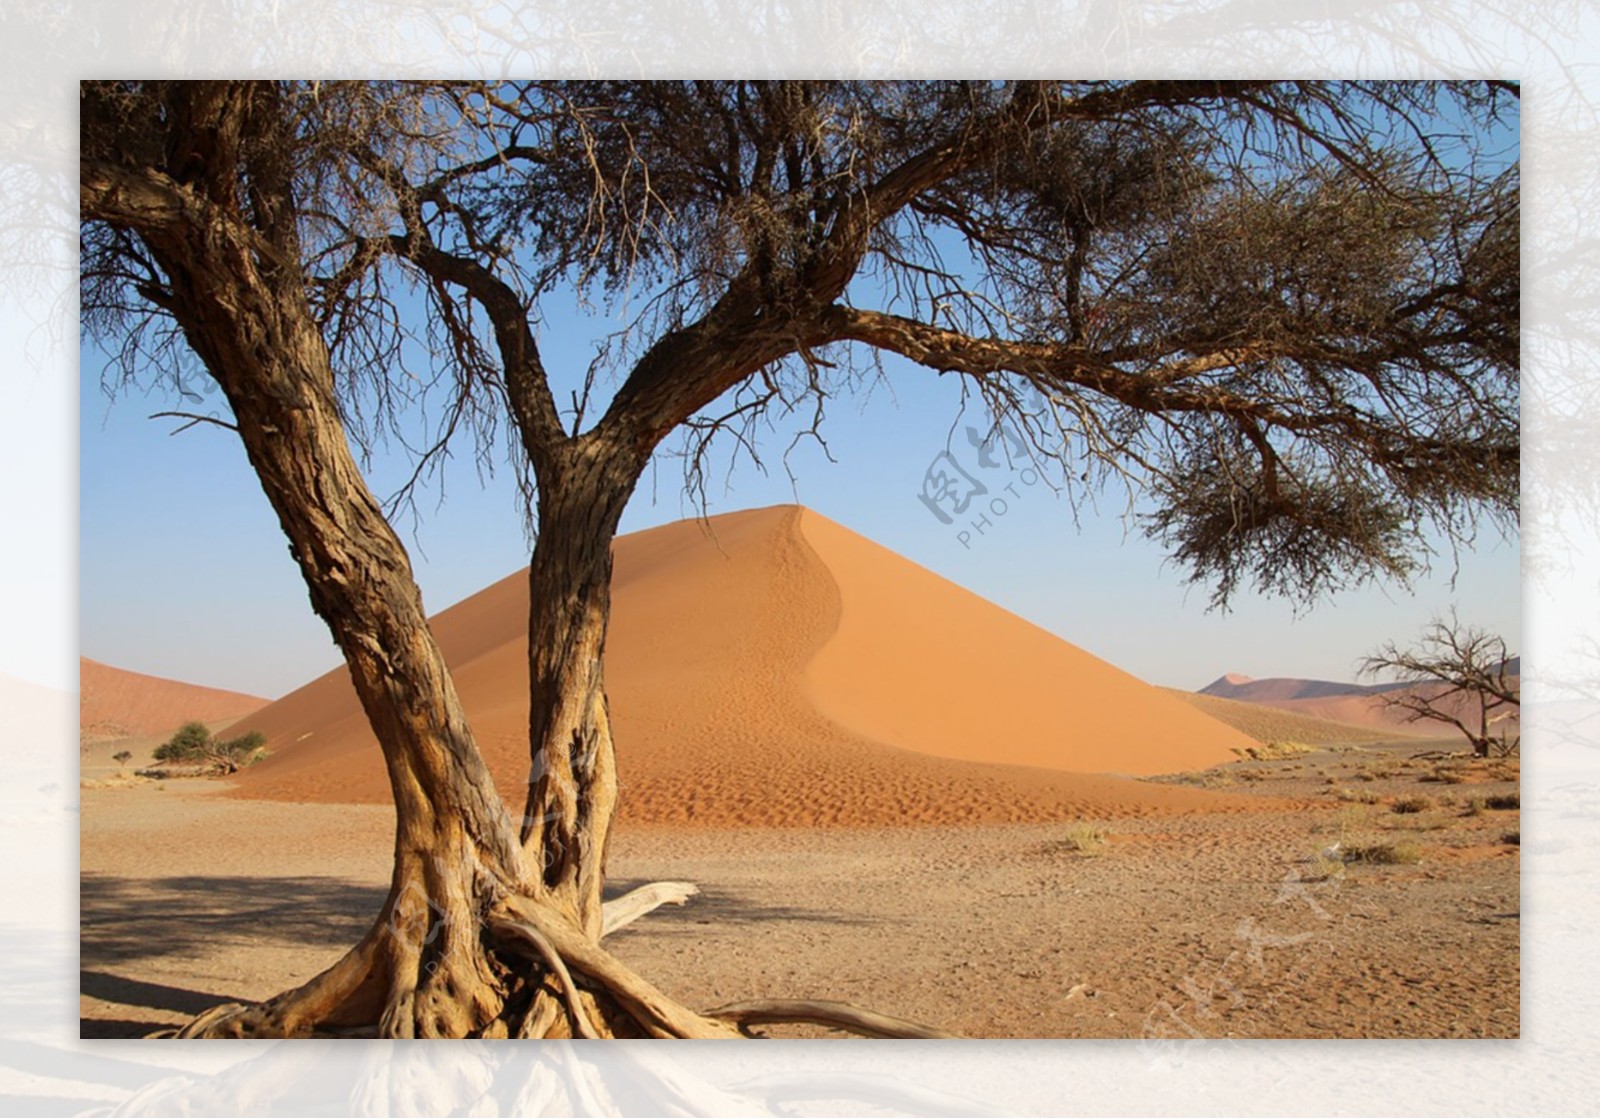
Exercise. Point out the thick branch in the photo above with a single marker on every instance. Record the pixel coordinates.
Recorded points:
(619, 913)
(527, 385)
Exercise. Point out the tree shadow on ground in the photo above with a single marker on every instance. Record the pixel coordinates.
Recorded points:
(126, 922)
(122, 920)
(157, 996)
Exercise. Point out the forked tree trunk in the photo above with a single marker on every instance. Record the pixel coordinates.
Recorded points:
(474, 938)
(486, 931)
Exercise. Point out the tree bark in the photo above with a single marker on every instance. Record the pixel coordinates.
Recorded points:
(456, 852)
(572, 787)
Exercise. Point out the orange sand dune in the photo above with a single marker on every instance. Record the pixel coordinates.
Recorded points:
(1356, 704)
(116, 703)
(1369, 710)
(775, 669)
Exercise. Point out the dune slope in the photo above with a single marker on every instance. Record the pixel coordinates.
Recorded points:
(116, 703)
(780, 670)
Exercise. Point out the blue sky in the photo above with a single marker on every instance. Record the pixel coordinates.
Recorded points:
(184, 572)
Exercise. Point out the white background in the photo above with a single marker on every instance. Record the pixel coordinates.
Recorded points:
(1554, 1069)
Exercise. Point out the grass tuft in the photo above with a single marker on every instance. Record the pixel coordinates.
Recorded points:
(1274, 751)
(1399, 852)
(1084, 837)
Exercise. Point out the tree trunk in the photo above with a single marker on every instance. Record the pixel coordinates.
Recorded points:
(456, 853)
(572, 787)
(475, 937)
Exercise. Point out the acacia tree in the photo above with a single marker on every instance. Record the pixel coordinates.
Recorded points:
(1458, 674)
(1286, 313)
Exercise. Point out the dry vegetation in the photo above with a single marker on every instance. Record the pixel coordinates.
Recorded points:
(1084, 838)
(1385, 815)
(1275, 751)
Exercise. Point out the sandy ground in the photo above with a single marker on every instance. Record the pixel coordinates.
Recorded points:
(1201, 925)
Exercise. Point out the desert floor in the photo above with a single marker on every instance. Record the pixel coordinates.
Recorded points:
(1179, 927)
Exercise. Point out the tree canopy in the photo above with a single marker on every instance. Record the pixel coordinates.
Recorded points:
(1288, 312)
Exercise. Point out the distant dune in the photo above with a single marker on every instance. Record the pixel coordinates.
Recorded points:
(1354, 704)
(117, 703)
(1279, 689)
(781, 670)
(1267, 723)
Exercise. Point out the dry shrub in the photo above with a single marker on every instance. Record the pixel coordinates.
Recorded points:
(1274, 751)
(1351, 795)
(1084, 838)
(1400, 852)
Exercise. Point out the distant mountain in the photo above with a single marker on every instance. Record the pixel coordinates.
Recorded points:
(1277, 689)
(1271, 723)
(1357, 704)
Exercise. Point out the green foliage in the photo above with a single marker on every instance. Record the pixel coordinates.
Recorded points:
(194, 745)
(188, 745)
(245, 750)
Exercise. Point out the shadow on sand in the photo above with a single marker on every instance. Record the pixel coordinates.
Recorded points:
(129, 922)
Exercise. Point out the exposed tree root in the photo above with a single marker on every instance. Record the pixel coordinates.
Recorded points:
(619, 913)
(655, 1013)
(576, 1011)
(528, 970)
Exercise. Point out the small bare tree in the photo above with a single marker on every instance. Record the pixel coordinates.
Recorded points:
(1456, 674)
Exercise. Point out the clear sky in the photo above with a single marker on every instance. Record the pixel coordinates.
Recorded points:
(184, 572)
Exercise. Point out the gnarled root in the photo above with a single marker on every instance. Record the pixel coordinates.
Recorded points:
(523, 969)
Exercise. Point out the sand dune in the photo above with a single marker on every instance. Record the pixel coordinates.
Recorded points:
(1267, 723)
(116, 703)
(781, 670)
(1354, 704)
(1277, 689)
(1369, 710)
